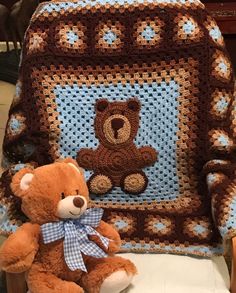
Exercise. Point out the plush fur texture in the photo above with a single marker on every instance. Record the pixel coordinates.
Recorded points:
(41, 190)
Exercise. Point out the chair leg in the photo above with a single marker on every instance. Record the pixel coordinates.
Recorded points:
(16, 283)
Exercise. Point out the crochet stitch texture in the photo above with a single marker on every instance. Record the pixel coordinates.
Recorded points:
(170, 56)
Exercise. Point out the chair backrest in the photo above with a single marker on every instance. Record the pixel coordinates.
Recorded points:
(137, 92)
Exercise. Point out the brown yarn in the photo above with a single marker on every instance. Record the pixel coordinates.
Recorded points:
(81, 69)
(117, 157)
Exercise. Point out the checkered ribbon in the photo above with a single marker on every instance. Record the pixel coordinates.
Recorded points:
(76, 241)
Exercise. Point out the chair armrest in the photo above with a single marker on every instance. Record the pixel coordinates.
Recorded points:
(233, 267)
(16, 283)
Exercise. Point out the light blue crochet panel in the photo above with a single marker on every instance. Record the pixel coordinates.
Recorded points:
(230, 223)
(5, 224)
(66, 5)
(211, 251)
(158, 128)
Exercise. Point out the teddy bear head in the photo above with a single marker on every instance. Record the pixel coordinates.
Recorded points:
(52, 192)
(116, 123)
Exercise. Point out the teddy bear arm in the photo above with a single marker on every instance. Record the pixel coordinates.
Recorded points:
(108, 231)
(85, 158)
(149, 155)
(18, 251)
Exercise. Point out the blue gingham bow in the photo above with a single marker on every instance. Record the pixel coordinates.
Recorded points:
(76, 241)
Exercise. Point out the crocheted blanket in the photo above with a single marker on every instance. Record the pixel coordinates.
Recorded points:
(141, 93)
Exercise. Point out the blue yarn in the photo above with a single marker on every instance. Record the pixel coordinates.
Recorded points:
(50, 7)
(148, 33)
(209, 251)
(159, 109)
(110, 37)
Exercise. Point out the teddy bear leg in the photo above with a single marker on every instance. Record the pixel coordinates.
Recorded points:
(100, 184)
(134, 182)
(39, 281)
(108, 275)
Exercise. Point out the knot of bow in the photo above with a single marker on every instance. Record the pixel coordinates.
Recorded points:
(76, 241)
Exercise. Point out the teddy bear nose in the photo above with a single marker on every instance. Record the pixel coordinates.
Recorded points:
(78, 202)
(117, 123)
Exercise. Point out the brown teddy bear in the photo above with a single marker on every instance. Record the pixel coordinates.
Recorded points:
(65, 248)
(117, 161)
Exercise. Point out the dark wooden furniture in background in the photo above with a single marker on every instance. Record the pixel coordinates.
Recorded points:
(9, 3)
(225, 14)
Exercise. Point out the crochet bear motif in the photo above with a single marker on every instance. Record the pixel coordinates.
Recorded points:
(117, 161)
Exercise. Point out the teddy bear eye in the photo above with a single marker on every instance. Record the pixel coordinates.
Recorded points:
(62, 195)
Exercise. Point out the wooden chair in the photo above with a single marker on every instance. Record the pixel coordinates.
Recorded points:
(233, 268)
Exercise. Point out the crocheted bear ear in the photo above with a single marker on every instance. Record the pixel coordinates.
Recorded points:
(21, 181)
(101, 105)
(134, 104)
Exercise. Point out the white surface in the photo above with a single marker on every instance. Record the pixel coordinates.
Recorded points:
(165, 273)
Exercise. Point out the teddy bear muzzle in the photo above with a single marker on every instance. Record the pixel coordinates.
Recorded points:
(117, 129)
(72, 206)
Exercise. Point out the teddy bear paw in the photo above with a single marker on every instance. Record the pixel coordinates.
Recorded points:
(116, 282)
(134, 183)
(100, 184)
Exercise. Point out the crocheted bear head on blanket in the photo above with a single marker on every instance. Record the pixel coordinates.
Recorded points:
(65, 245)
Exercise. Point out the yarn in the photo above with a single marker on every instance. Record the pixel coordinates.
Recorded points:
(162, 167)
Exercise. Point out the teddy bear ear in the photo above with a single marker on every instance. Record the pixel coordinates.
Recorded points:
(134, 105)
(68, 160)
(101, 105)
(73, 164)
(21, 181)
